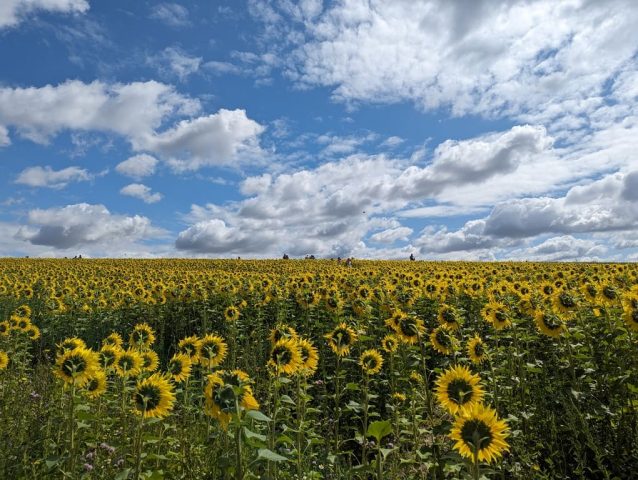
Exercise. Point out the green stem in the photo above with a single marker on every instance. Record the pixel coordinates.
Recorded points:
(239, 474)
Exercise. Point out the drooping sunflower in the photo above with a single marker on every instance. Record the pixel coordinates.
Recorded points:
(371, 361)
(476, 350)
(190, 346)
(442, 340)
(108, 356)
(142, 336)
(309, 357)
(212, 351)
(630, 311)
(549, 323)
(154, 396)
(285, 357)
(390, 343)
(113, 339)
(479, 429)
(609, 294)
(450, 317)
(179, 367)
(150, 361)
(224, 391)
(128, 363)
(231, 314)
(565, 302)
(95, 385)
(458, 389)
(341, 339)
(71, 343)
(4, 360)
(76, 366)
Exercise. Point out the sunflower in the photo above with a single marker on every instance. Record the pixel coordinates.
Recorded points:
(190, 346)
(142, 336)
(20, 323)
(409, 329)
(630, 311)
(371, 361)
(5, 328)
(23, 311)
(609, 295)
(150, 361)
(309, 357)
(231, 314)
(442, 340)
(71, 343)
(449, 316)
(179, 367)
(415, 378)
(224, 391)
(129, 363)
(399, 397)
(549, 323)
(476, 350)
(547, 289)
(591, 291)
(4, 360)
(282, 331)
(108, 356)
(96, 384)
(565, 302)
(154, 397)
(33, 332)
(479, 429)
(458, 389)
(497, 314)
(341, 339)
(76, 366)
(114, 340)
(390, 343)
(285, 357)
(212, 351)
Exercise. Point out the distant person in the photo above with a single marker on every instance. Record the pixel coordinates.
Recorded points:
(286, 257)
(412, 257)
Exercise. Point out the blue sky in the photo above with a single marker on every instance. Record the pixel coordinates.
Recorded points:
(449, 129)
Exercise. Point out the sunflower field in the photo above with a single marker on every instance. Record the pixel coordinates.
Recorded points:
(313, 369)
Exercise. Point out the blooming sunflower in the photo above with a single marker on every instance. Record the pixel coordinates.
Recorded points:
(150, 361)
(309, 357)
(442, 340)
(549, 323)
(108, 356)
(609, 295)
(76, 366)
(142, 336)
(129, 363)
(23, 311)
(154, 397)
(399, 397)
(5, 328)
(390, 343)
(95, 385)
(630, 311)
(371, 361)
(565, 302)
(497, 314)
(282, 331)
(20, 323)
(231, 314)
(450, 317)
(189, 346)
(179, 367)
(476, 350)
(212, 351)
(114, 339)
(4, 360)
(33, 332)
(409, 329)
(285, 357)
(71, 343)
(479, 429)
(457, 389)
(341, 339)
(224, 391)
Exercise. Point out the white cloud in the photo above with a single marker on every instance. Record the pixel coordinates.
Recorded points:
(47, 177)
(138, 190)
(561, 249)
(223, 138)
(392, 142)
(137, 166)
(392, 235)
(14, 11)
(172, 14)
(174, 61)
(4, 137)
(83, 224)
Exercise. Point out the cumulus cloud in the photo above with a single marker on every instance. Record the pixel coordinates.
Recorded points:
(4, 137)
(392, 235)
(47, 177)
(138, 190)
(84, 224)
(137, 166)
(561, 249)
(173, 61)
(172, 14)
(12, 12)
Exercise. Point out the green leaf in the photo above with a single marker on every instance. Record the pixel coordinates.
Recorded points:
(123, 475)
(270, 455)
(251, 434)
(386, 451)
(287, 399)
(379, 429)
(258, 416)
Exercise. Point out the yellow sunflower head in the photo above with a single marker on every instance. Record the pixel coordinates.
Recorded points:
(231, 314)
(224, 392)
(390, 343)
(309, 357)
(409, 329)
(95, 385)
(4, 360)
(23, 311)
(154, 397)
(458, 389)
(33, 332)
(150, 361)
(212, 351)
(478, 429)
(341, 339)
(114, 339)
(179, 367)
(549, 323)
(285, 357)
(630, 311)
(129, 363)
(442, 340)
(282, 331)
(476, 350)
(142, 336)
(71, 343)
(498, 314)
(76, 366)
(189, 346)
(450, 317)
(108, 356)
(371, 362)
(5, 328)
